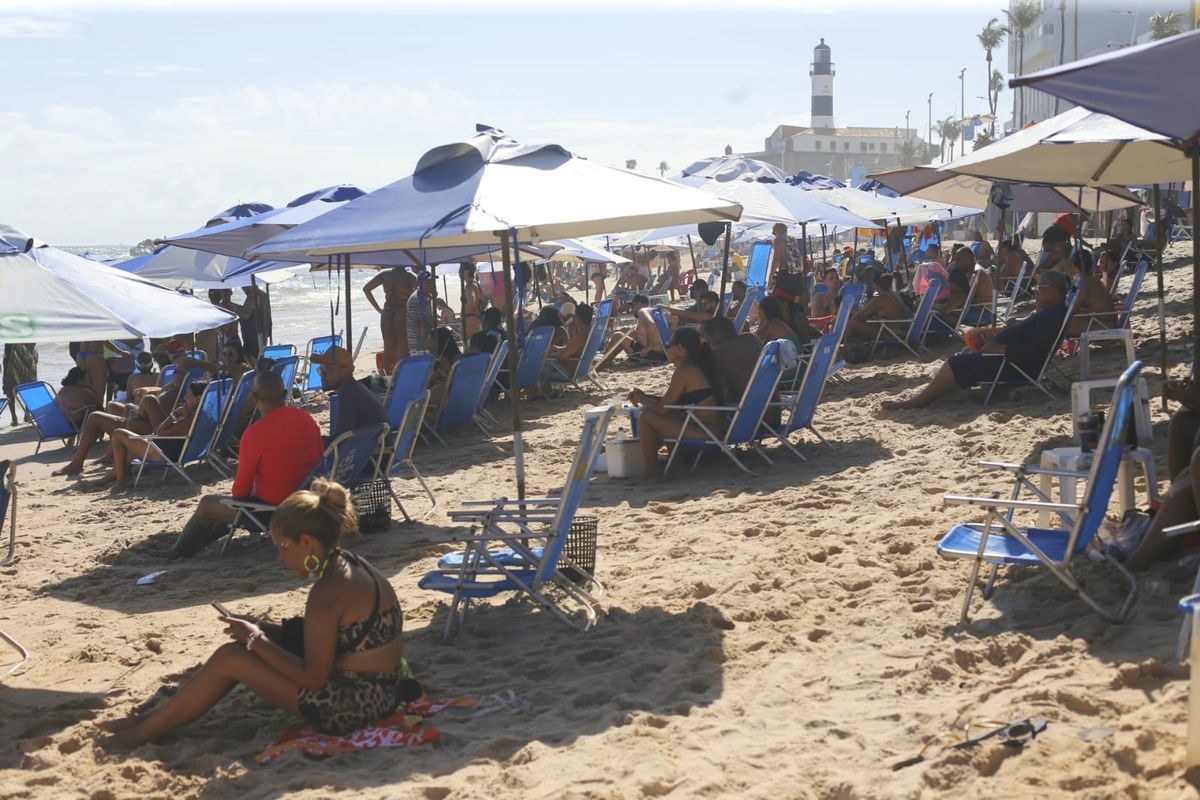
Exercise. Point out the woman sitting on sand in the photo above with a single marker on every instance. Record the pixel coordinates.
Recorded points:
(694, 383)
(340, 667)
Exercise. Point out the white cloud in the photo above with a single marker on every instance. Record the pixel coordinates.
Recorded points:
(28, 26)
(147, 70)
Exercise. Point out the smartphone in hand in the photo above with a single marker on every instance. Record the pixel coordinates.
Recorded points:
(222, 610)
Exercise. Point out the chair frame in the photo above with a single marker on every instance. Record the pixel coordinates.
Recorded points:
(180, 466)
(239, 394)
(1042, 377)
(333, 340)
(37, 424)
(452, 384)
(587, 358)
(918, 325)
(8, 485)
(484, 418)
(407, 432)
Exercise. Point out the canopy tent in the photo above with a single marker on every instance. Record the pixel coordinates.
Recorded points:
(670, 236)
(49, 295)
(577, 250)
(1078, 147)
(493, 189)
(1155, 86)
(726, 168)
(932, 184)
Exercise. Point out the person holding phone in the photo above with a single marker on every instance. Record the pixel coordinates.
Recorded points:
(345, 669)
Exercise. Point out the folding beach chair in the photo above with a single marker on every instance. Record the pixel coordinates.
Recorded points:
(1022, 378)
(320, 344)
(278, 351)
(196, 445)
(191, 376)
(49, 421)
(749, 302)
(531, 559)
(1004, 306)
(346, 460)
(483, 418)
(217, 455)
(744, 425)
(8, 502)
(463, 387)
(1122, 317)
(399, 452)
(3, 407)
(165, 376)
(803, 406)
(533, 358)
(661, 326)
(999, 541)
(756, 268)
(286, 369)
(410, 379)
(913, 339)
(852, 295)
(583, 365)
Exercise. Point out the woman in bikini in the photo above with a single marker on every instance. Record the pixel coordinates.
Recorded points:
(339, 668)
(398, 284)
(694, 383)
(473, 300)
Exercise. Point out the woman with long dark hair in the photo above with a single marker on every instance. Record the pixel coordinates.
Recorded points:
(694, 383)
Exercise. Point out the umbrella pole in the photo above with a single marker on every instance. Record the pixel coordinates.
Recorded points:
(329, 285)
(725, 264)
(258, 335)
(462, 305)
(1162, 318)
(1195, 154)
(513, 395)
(349, 327)
(824, 252)
(692, 253)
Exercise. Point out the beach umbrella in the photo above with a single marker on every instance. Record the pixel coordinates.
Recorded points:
(239, 211)
(49, 295)
(175, 266)
(773, 201)
(1154, 86)
(811, 180)
(576, 250)
(872, 185)
(724, 168)
(930, 183)
(493, 190)
(898, 210)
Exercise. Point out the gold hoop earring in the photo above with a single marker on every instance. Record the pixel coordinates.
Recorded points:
(312, 564)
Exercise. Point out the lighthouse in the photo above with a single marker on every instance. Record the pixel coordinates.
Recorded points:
(821, 72)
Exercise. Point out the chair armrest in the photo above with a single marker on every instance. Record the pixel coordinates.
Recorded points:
(1104, 333)
(702, 408)
(247, 505)
(1034, 470)
(992, 502)
(1182, 530)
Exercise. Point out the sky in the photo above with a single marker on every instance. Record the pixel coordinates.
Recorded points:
(121, 121)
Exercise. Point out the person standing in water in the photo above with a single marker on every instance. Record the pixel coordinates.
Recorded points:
(398, 284)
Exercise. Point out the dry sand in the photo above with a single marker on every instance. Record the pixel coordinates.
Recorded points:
(790, 635)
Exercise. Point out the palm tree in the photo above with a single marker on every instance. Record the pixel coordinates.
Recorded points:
(907, 152)
(983, 140)
(663, 167)
(995, 87)
(1162, 26)
(1023, 16)
(948, 129)
(991, 37)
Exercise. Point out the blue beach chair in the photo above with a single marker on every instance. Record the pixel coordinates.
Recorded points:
(278, 351)
(662, 326)
(744, 425)
(913, 339)
(756, 268)
(533, 358)
(583, 365)
(530, 537)
(49, 421)
(999, 541)
(753, 295)
(400, 449)
(483, 417)
(196, 445)
(803, 407)
(3, 407)
(286, 369)
(317, 346)
(1011, 375)
(410, 379)
(238, 398)
(463, 386)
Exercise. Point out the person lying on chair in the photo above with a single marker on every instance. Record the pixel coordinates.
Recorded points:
(1025, 344)
(339, 668)
(275, 455)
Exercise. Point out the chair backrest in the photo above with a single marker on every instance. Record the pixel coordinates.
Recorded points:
(529, 368)
(1016, 286)
(315, 348)
(286, 368)
(168, 372)
(809, 396)
(1134, 288)
(757, 395)
(48, 418)
(661, 325)
(463, 385)
(233, 408)
(1106, 461)
(595, 339)
(407, 432)
(6, 490)
(498, 359)
(353, 454)
(279, 351)
(916, 331)
(753, 295)
(199, 355)
(409, 379)
(191, 376)
(206, 422)
(1063, 331)
(852, 295)
(591, 442)
(760, 259)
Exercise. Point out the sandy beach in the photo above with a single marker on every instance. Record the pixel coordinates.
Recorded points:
(791, 635)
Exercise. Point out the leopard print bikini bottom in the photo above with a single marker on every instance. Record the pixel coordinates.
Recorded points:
(351, 700)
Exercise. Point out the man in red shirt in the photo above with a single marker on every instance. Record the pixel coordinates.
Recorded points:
(275, 456)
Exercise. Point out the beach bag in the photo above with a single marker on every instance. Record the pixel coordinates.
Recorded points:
(925, 274)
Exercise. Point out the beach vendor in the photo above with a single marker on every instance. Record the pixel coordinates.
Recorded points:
(398, 284)
(340, 667)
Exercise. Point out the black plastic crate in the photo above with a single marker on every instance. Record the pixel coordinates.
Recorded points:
(373, 503)
(580, 546)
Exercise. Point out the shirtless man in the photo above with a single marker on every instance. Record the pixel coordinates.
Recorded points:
(398, 284)
(473, 301)
(824, 304)
(885, 305)
(1093, 303)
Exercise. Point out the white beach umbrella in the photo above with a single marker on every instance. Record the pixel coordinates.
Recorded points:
(49, 295)
(176, 266)
(724, 168)
(893, 210)
(967, 190)
(576, 250)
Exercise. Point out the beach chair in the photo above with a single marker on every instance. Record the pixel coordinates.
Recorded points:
(662, 326)
(1004, 307)
(165, 376)
(399, 452)
(1022, 378)
(191, 376)
(852, 296)
(463, 387)
(583, 365)
(286, 369)
(37, 398)
(999, 541)
(533, 358)
(1126, 307)
(483, 418)
(3, 407)
(410, 379)
(8, 510)
(278, 351)
(913, 339)
(802, 407)
(238, 397)
(756, 267)
(312, 378)
(744, 425)
(531, 535)
(346, 460)
(196, 445)
(753, 295)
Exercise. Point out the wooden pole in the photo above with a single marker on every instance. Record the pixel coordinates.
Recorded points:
(724, 266)
(1162, 319)
(513, 358)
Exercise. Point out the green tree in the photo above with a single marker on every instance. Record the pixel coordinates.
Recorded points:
(1164, 25)
(983, 140)
(991, 37)
(1023, 16)
(948, 130)
(995, 88)
(908, 152)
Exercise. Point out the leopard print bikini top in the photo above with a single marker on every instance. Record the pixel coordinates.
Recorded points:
(375, 630)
